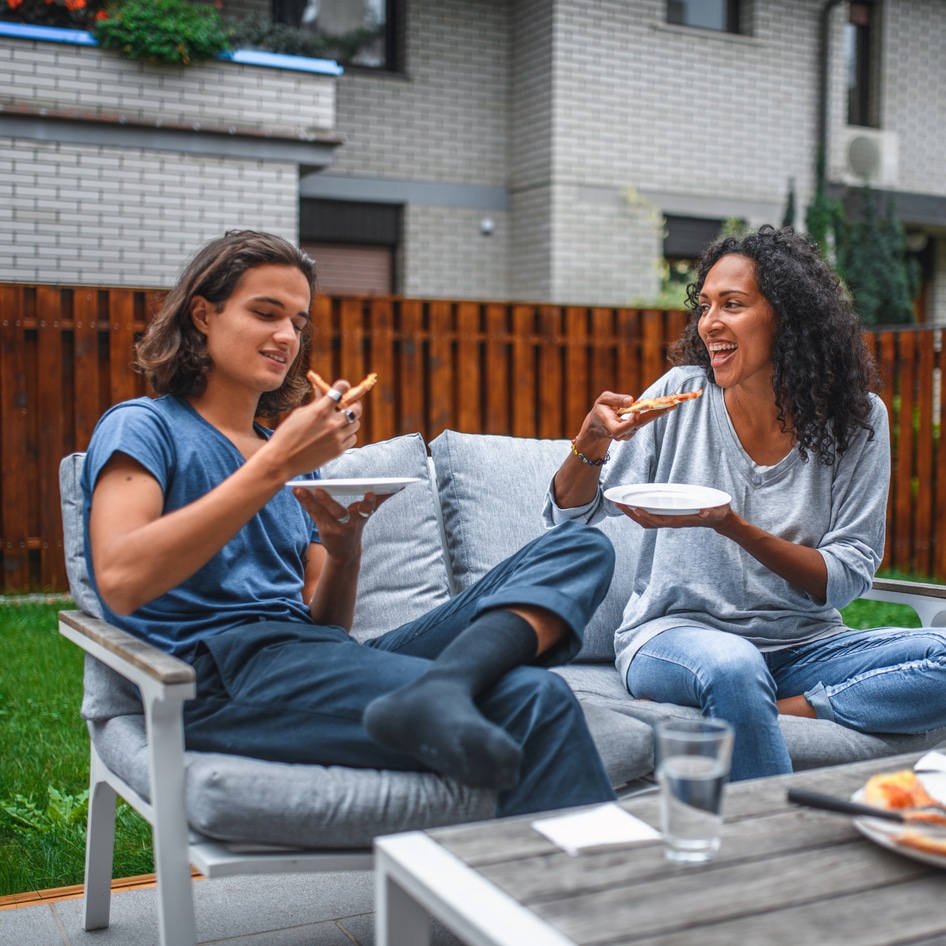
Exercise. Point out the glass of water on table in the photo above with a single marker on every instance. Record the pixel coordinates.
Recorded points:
(692, 770)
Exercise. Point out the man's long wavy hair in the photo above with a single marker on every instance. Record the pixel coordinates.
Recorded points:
(173, 355)
(823, 367)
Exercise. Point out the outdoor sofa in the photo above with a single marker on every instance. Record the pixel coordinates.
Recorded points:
(478, 498)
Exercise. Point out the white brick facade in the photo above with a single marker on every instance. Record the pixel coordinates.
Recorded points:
(124, 168)
(598, 117)
(573, 125)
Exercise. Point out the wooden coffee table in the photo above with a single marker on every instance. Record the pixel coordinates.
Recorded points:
(785, 875)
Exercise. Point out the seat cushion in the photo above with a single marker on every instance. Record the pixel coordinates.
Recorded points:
(492, 490)
(237, 799)
(812, 743)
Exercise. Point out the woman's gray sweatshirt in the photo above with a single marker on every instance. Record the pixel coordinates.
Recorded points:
(694, 576)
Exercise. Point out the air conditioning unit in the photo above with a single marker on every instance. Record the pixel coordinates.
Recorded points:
(867, 156)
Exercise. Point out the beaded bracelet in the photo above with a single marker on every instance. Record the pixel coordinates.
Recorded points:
(585, 459)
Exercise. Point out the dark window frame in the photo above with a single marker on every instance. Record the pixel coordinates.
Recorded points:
(732, 15)
(860, 44)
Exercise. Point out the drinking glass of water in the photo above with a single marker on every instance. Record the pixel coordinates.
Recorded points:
(692, 769)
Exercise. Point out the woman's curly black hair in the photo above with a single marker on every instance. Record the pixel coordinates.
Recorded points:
(823, 367)
(173, 356)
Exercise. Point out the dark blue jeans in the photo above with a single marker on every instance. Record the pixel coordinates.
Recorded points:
(291, 692)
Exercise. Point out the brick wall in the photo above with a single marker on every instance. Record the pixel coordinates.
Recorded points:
(913, 103)
(116, 214)
(125, 217)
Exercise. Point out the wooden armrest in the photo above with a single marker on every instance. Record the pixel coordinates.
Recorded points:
(910, 587)
(128, 655)
(928, 600)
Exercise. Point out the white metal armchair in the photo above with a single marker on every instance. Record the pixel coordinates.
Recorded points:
(227, 814)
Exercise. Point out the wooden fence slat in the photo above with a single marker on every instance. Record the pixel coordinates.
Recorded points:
(352, 364)
(121, 314)
(903, 480)
(523, 371)
(629, 337)
(579, 373)
(442, 368)
(886, 358)
(923, 472)
(469, 386)
(496, 371)
(14, 462)
(938, 558)
(379, 416)
(51, 449)
(550, 378)
(653, 359)
(86, 404)
(412, 374)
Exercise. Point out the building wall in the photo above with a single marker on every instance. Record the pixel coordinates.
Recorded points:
(598, 118)
(443, 122)
(84, 200)
(125, 217)
(913, 103)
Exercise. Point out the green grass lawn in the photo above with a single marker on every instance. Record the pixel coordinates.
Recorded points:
(44, 750)
(44, 759)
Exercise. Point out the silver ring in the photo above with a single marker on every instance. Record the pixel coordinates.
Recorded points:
(334, 394)
(350, 415)
(364, 515)
(344, 519)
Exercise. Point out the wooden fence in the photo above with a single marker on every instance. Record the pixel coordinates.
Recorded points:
(502, 368)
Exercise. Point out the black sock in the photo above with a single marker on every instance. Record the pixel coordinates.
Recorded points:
(435, 719)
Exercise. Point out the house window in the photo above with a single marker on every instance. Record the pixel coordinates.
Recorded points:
(354, 244)
(684, 240)
(352, 32)
(722, 15)
(860, 54)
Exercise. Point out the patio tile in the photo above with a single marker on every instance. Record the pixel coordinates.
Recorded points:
(242, 906)
(361, 929)
(30, 926)
(328, 909)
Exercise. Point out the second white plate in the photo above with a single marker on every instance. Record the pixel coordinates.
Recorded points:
(885, 833)
(668, 499)
(380, 486)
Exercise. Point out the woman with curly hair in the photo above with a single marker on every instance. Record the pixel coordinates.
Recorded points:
(735, 608)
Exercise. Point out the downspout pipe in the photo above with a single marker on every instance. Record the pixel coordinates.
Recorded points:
(821, 157)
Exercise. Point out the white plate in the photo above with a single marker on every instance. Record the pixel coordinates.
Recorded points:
(668, 499)
(380, 486)
(884, 833)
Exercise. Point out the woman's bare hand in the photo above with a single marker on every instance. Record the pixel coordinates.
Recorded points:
(704, 519)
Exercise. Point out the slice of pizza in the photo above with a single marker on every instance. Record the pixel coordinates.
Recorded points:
(903, 791)
(659, 403)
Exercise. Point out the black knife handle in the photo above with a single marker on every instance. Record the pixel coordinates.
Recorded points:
(801, 796)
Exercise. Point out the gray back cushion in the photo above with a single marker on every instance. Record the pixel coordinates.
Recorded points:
(492, 490)
(403, 571)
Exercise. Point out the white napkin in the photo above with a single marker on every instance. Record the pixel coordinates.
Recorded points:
(603, 826)
(931, 771)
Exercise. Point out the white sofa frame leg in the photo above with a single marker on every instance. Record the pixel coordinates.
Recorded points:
(176, 922)
(100, 847)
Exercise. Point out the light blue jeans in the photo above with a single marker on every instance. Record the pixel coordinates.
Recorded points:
(885, 680)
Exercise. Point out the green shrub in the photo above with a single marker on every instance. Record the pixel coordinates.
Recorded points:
(170, 31)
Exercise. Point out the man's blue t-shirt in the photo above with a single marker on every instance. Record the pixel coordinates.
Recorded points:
(256, 576)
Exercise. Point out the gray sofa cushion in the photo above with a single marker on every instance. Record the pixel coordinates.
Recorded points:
(811, 742)
(492, 490)
(403, 571)
(233, 798)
